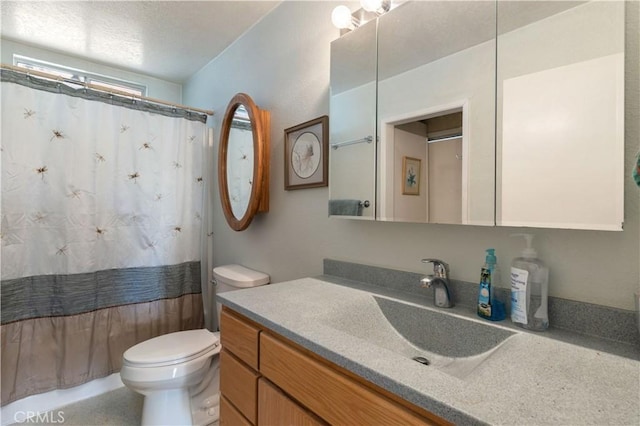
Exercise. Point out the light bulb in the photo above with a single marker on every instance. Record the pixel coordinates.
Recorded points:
(371, 5)
(341, 17)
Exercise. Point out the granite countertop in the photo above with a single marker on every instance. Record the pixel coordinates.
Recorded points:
(533, 378)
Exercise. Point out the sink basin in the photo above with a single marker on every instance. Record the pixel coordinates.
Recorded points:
(439, 332)
(434, 338)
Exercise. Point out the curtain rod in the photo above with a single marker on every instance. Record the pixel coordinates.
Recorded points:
(102, 88)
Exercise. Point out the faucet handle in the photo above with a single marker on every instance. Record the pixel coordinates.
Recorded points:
(440, 268)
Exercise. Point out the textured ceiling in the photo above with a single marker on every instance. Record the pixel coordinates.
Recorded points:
(165, 39)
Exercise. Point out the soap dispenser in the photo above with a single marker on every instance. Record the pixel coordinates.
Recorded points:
(489, 306)
(529, 288)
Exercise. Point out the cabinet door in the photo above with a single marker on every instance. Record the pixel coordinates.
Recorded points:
(240, 338)
(276, 409)
(229, 416)
(239, 384)
(561, 109)
(352, 162)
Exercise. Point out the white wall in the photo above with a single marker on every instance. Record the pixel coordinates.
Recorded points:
(283, 63)
(445, 181)
(156, 88)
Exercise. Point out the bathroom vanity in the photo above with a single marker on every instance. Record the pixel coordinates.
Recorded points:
(267, 379)
(315, 351)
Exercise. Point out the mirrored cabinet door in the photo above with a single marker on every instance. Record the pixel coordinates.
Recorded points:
(352, 124)
(436, 113)
(560, 111)
(506, 113)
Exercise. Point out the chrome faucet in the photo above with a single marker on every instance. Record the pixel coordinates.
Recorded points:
(440, 283)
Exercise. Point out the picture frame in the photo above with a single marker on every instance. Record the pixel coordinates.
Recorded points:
(411, 168)
(306, 154)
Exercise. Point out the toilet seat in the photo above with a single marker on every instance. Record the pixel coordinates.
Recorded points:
(170, 349)
(146, 371)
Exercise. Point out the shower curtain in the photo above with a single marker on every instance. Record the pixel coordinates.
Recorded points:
(101, 230)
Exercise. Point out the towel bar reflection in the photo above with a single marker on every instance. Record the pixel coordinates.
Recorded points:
(367, 139)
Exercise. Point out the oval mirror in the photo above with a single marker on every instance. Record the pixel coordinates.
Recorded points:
(243, 162)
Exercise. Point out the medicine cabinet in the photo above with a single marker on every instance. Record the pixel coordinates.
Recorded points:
(243, 162)
(482, 113)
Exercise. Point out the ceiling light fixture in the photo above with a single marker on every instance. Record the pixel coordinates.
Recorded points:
(342, 18)
(377, 6)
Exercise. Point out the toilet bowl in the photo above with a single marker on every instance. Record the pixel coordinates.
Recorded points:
(167, 370)
(178, 373)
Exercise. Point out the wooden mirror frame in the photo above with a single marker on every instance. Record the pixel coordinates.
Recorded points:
(259, 198)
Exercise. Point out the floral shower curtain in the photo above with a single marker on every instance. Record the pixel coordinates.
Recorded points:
(102, 210)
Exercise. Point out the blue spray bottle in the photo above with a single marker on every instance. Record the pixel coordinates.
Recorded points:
(489, 307)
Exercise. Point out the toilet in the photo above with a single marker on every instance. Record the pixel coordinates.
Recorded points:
(178, 373)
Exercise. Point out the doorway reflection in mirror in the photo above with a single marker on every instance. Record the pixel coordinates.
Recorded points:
(424, 152)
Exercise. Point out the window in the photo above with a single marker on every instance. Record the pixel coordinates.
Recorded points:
(78, 78)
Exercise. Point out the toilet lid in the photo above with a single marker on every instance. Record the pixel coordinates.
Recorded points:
(239, 276)
(172, 348)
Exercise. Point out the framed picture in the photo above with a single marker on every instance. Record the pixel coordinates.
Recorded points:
(306, 152)
(411, 176)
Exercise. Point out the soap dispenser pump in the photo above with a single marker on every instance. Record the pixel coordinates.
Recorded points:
(529, 288)
(489, 306)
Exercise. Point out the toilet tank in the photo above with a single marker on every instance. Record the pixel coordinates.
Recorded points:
(236, 277)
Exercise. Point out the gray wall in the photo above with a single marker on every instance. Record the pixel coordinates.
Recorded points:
(283, 63)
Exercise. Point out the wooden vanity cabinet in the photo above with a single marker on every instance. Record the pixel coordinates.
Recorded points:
(290, 385)
(277, 409)
(238, 370)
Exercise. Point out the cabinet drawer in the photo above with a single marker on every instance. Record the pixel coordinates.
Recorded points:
(229, 416)
(239, 384)
(332, 396)
(239, 337)
(276, 409)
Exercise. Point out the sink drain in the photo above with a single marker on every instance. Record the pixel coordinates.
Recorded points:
(421, 360)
